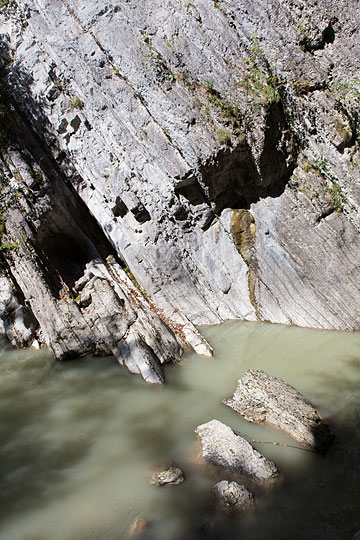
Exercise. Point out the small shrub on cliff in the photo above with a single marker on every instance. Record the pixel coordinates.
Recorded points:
(9, 246)
(224, 136)
(76, 103)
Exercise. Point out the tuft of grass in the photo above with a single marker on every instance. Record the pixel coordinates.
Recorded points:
(259, 79)
(343, 130)
(224, 136)
(76, 103)
(337, 196)
(9, 246)
(301, 87)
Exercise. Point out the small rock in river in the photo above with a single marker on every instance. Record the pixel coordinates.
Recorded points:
(139, 526)
(170, 476)
(233, 496)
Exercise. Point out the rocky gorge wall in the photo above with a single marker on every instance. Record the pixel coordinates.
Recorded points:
(167, 164)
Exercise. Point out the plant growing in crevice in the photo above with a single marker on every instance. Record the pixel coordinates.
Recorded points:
(133, 279)
(9, 246)
(223, 136)
(76, 103)
(347, 96)
(259, 80)
(337, 195)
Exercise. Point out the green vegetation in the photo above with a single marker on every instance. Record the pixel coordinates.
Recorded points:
(347, 92)
(38, 175)
(343, 130)
(305, 43)
(3, 3)
(166, 132)
(131, 276)
(321, 167)
(223, 136)
(337, 196)
(302, 86)
(9, 246)
(229, 110)
(259, 79)
(347, 96)
(76, 103)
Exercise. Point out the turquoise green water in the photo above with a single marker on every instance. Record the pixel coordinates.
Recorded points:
(78, 441)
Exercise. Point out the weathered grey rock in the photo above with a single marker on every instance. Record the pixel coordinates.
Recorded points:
(233, 496)
(173, 475)
(215, 145)
(259, 397)
(222, 447)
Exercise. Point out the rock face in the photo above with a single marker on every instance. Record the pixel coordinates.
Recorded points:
(233, 496)
(221, 447)
(211, 148)
(259, 397)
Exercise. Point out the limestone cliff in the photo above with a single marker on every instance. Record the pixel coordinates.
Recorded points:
(209, 150)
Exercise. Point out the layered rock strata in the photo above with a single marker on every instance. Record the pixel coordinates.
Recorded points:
(259, 397)
(213, 146)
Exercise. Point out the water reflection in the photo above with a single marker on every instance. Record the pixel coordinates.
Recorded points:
(78, 440)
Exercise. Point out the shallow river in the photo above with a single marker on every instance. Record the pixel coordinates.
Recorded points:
(78, 441)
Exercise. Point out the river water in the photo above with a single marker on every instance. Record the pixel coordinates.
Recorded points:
(78, 440)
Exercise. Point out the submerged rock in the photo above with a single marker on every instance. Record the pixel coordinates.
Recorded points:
(233, 496)
(259, 397)
(139, 526)
(222, 447)
(171, 476)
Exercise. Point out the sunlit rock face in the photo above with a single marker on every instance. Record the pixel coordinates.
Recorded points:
(211, 148)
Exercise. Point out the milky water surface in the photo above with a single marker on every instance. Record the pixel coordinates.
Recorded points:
(78, 440)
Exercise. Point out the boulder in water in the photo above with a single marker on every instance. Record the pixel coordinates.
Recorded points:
(222, 447)
(259, 397)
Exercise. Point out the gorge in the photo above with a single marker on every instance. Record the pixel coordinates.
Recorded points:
(166, 166)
